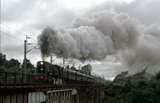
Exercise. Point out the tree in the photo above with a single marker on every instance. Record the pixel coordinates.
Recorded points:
(12, 65)
(29, 66)
(2, 59)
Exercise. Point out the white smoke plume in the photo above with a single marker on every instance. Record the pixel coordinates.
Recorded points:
(146, 55)
(95, 36)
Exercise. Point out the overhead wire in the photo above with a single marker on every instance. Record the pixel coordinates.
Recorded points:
(9, 35)
(10, 29)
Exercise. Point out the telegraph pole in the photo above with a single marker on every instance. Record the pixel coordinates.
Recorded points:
(0, 36)
(0, 31)
(51, 59)
(63, 62)
(25, 53)
(26, 50)
(0, 43)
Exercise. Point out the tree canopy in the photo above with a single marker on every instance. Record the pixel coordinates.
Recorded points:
(13, 65)
(134, 89)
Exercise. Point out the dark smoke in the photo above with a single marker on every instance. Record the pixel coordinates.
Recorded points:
(95, 36)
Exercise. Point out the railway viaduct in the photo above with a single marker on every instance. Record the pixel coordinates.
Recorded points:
(20, 88)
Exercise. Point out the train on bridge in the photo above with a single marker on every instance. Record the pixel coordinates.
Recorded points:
(54, 73)
(50, 83)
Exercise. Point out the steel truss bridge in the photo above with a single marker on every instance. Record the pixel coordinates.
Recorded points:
(21, 88)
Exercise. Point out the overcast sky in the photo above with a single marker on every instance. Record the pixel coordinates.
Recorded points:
(30, 17)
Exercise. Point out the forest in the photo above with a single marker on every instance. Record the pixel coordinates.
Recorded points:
(138, 88)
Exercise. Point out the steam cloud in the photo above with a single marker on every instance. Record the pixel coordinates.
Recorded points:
(95, 36)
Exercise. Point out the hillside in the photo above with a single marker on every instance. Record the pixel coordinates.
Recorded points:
(134, 89)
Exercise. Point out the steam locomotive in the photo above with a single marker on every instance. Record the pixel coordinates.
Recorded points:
(56, 74)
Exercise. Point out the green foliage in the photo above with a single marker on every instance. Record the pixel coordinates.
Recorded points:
(13, 65)
(158, 76)
(131, 90)
(2, 59)
(29, 66)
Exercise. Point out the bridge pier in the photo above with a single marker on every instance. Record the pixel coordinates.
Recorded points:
(99, 95)
(86, 94)
(14, 98)
(62, 96)
(52, 96)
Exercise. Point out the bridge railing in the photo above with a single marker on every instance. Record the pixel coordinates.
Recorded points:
(22, 79)
(16, 78)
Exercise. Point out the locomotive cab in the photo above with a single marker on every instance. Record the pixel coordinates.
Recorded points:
(41, 71)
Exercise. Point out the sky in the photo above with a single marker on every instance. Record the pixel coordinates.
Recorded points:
(29, 17)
